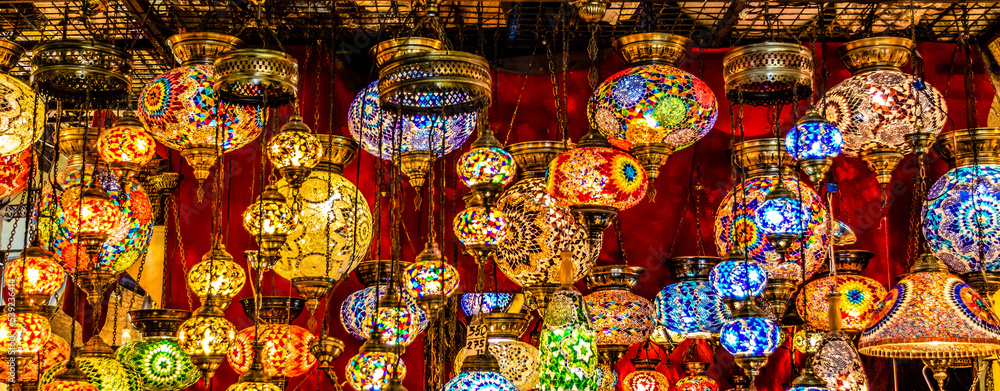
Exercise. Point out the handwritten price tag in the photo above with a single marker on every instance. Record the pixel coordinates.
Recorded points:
(475, 342)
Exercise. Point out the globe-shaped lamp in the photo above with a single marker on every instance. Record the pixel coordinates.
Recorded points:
(91, 214)
(398, 323)
(481, 381)
(55, 352)
(750, 340)
(23, 334)
(373, 366)
(385, 134)
(859, 295)
(652, 108)
(182, 110)
(645, 377)
(14, 170)
(956, 219)
(486, 168)
(619, 317)
(270, 220)
(206, 338)
(285, 350)
(737, 278)
(477, 226)
(359, 307)
(37, 273)
(101, 370)
(158, 363)
(690, 308)
(430, 278)
(814, 143)
(294, 151)
(335, 221)
(24, 119)
(474, 304)
(126, 146)
(217, 278)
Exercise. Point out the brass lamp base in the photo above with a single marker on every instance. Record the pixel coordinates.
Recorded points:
(782, 243)
(433, 304)
(611, 353)
(940, 368)
(313, 288)
(652, 156)
(295, 176)
(920, 142)
(596, 218)
(488, 193)
(882, 161)
(94, 283)
(778, 292)
(751, 364)
(326, 349)
(207, 364)
(201, 159)
(416, 165)
(816, 169)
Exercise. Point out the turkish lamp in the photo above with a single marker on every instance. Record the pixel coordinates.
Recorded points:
(486, 168)
(270, 220)
(96, 218)
(480, 229)
(645, 377)
(70, 379)
(737, 279)
(780, 218)
(23, 121)
(431, 279)
(778, 293)
(814, 143)
(255, 379)
(568, 358)
(294, 151)
(23, 334)
(326, 349)
(36, 275)
(126, 146)
(395, 320)
(206, 337)
(375, 366)
(217, 278)
(750, 338)
(696, 379)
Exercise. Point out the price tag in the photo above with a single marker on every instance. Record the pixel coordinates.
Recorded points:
(475, 342)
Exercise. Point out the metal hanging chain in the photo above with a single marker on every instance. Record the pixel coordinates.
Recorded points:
(592, 51)
(553, 76)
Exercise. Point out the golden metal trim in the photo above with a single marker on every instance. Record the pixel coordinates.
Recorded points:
(201, 47)
(652, 48)
(388, 50)
(875, 53)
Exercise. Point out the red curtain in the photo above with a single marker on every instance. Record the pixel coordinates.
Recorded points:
(651, 231)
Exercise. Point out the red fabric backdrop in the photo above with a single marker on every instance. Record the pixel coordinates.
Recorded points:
(651, 231)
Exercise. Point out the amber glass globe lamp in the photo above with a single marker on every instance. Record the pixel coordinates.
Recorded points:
(23, 120)
(294, 151)
(90, 212)
(216, 279)
(126, 146)
(70, 379)
(206, 337)
(22, 334)
(270, 220)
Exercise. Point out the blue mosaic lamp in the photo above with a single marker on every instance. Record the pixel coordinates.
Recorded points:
(814, 143)
(484, 303)
(737, 278)
(691, 307)
(779, 217)
(750, 338)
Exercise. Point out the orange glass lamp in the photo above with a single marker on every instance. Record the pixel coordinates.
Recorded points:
(70, 379)
(285, 350)
(126, 146)
(216, 279)
(55, 351)
(37, 274)
(270, 220)
(859, 295)
(645, 377)
(91, 214)
(206, 337)
(23, 334)
(294, 151)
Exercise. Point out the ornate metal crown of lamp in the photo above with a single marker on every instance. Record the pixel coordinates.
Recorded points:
(768, 73)
(652, 108)
(25, 120)
(78, 71)
(883, 112)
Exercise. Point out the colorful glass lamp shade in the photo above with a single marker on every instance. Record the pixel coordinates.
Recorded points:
(750, 338)
(387, 135)
(37, 273)
(182, 110)
(23, 334)
(838, 363)
(23, 121)
(431, 279)
(373, 367)
(653, 108)
(737, 278)
(206, 338)
(126, 146)
(518, 361)
(931, 314)
(294, 151)
(780, 218)
(645, 377)
(619, 317)
(568, 346)
(691, 307)
(880, 108)
(859, 295)
(477, 226)
(696, 379)
(284, 350)
(158, 363)
(486, 168)
(270, 220)
(395, 320)
(360, 306)
(55, 352)
(335, 223)
(14, 171)
(479, 381)
(813, 143)
(217, 278)
(596, 181)
(739, 230)
(474, 304)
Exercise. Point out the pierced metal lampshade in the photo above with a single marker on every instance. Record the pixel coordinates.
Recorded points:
(258, 77)
(443, 81)
(768, 73)
(78, 70)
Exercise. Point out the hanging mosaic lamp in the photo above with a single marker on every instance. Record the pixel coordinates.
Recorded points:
(518, 360)
(808, 381)
(475, 304)
(696, 379)
(836, 360)
(25, 120)
(182, 110)
(619, 317)
(431, 279)
(931, 315)
(955, 214)
(206, 338)
(26, 372)
(750, 338)
(480, 372)
(359, 307)
(691, 307)
(334, 231)
(486, 168)
(859, 295)
(737, 278)
(294, 151)
(57, 229)
(880, 107)
(768, 73)
(217, 278)
(373, 366)
(14, 170)
(539, 228)
(569, 355)
(126, 146)
(71, 378)
(596, 181)
(780, 218)
(480, 228)
(814, 143)
(284, 350)
(652, 108)
(81, 71)
(23, 334)
(255, 379)
(609, 378)
(398, 322)
(806, 341)
(270, 220)
(388, 133)
(761, 162)
(92, 215)
(36, 274)
(157, 360)
(96, 361)
(645, 377)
